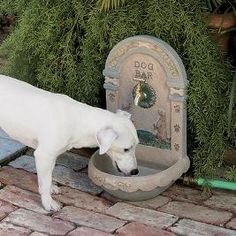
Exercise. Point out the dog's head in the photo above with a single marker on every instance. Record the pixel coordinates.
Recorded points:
(119, 141)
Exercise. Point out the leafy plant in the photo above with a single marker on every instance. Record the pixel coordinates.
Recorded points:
(231, 112)
(231, 174)
(221, 6)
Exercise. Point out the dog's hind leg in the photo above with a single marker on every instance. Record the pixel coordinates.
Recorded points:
(44, 165)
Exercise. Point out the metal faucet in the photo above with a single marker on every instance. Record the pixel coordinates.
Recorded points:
(139, 94)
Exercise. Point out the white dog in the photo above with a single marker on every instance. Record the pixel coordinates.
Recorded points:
(54, 123)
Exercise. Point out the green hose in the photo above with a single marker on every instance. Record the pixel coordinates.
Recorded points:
(217, 183)
(213, 183)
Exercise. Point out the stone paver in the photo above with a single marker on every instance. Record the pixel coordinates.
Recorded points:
(5, 209)
(61, 174)
(225, 202)
(22, 198)
(73, 161)
(152, 203)
(84, 231)
(150, 217)
(69, 160)
(77, 180)
(89, 219)
(10, 148)
(183, 193)
(77, 198)
(188, 227)
(110, 197)
(19, 178)
(232, 224)
(137, 229)
(39, 222)
(7, 229)
(195, 212)
(24, 162)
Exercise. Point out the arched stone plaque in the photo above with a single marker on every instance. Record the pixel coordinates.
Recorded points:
(146, 77)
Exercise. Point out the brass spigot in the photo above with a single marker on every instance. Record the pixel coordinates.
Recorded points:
(139, 94)
(143, 94)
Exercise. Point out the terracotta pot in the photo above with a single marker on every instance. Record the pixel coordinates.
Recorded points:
(222, 21)
(219, 23)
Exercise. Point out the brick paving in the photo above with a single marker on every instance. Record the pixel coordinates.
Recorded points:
(222, 201)
(22, 198)
(70, 196)
(232, 224)
(89, 211)
(84, 231)
(196, 212)
(89, 218)
(38, 234)
(138, 229)
(5, 209)
(153, 203)
(39, 222)
(8, 229)
(194, 228)
(142, 215)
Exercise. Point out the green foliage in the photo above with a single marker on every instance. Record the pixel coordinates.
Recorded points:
(231, 174)
(62, 46)
(231, 112)
(221, 6)
(149, 139)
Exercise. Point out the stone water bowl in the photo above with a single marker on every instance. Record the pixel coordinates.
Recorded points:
(158, 170)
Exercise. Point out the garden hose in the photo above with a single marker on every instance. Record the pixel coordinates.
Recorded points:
(213, 183)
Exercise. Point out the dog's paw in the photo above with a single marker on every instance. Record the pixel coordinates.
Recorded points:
(51, 205)
(55, 189)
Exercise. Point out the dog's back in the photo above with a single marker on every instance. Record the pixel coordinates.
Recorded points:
(25, 109)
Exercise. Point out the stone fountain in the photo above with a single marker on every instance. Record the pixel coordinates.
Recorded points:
(145, 77)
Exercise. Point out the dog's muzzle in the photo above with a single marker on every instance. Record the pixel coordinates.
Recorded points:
(117, 167)
(132, 172)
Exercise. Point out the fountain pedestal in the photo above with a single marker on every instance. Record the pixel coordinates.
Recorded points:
(145, 77)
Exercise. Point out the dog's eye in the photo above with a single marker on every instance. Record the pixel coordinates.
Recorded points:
(126, 149)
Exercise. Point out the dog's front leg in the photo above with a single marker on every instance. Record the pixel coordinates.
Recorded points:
(44, 165)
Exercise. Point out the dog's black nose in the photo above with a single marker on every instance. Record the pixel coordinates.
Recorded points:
(134, 172)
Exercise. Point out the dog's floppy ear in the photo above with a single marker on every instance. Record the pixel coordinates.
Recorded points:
(123, 113)
(105, 137)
